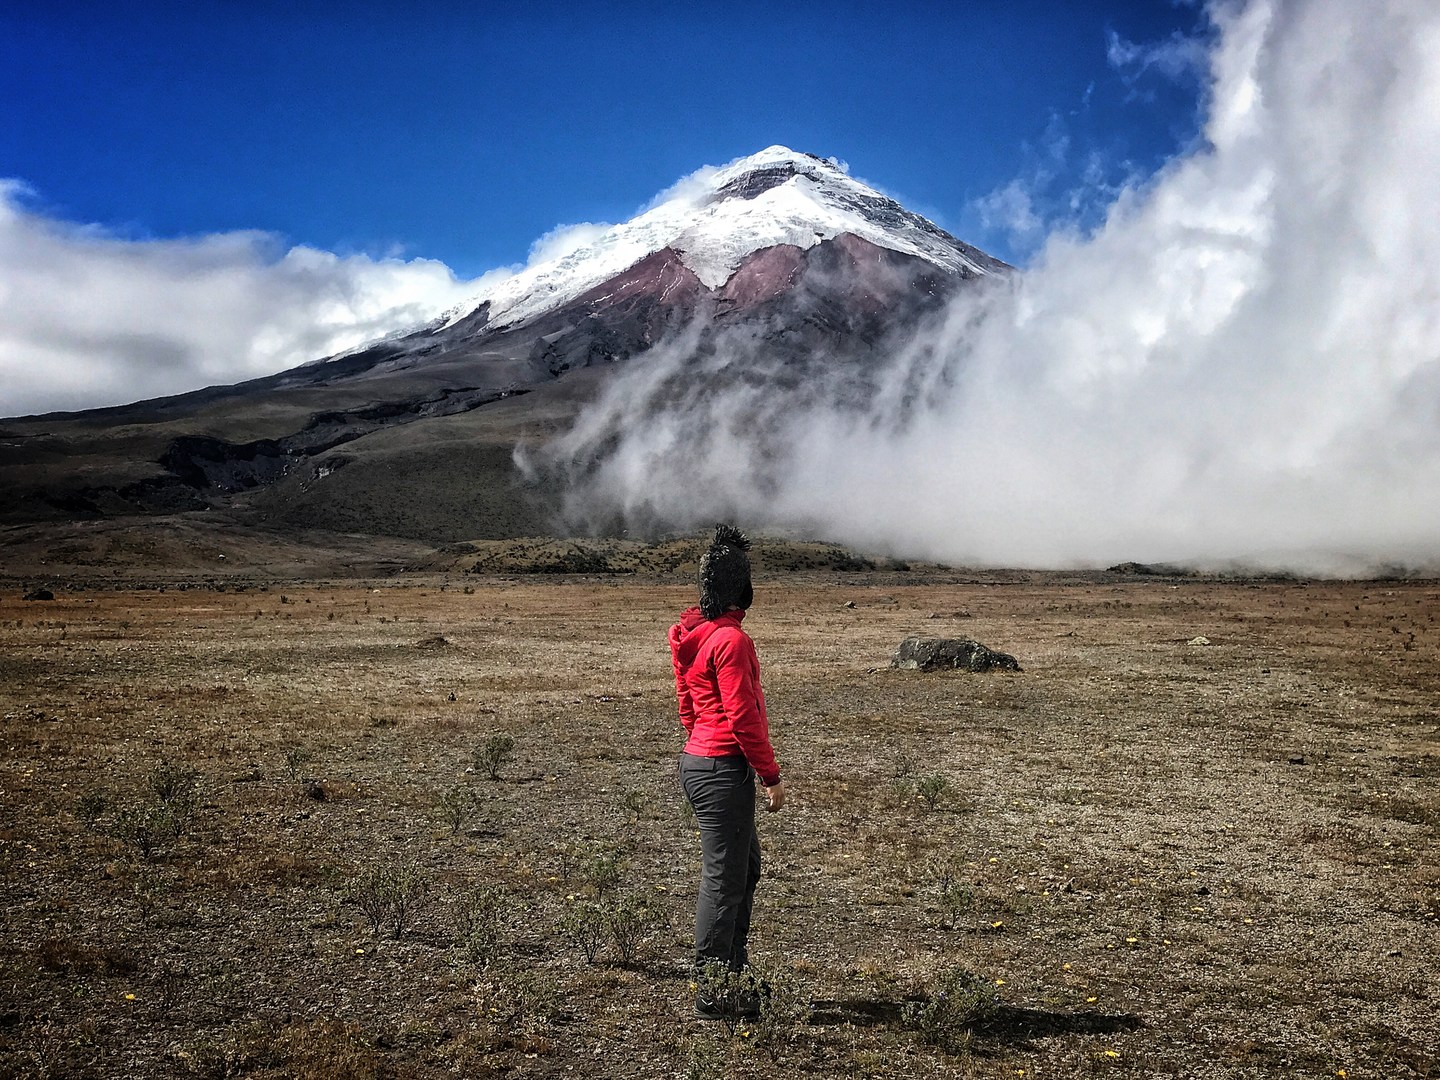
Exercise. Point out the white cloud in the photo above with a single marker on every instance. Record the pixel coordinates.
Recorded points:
(1241, 362)
(1011, 209)
(689, 188)
(88, 318)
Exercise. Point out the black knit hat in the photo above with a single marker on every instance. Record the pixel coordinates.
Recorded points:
(725, 573)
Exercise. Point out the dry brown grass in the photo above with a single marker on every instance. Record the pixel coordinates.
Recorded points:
(1213, 860)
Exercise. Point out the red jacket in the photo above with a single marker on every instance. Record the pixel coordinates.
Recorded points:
(717, 680)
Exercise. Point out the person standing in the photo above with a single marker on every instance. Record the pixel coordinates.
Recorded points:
(717, 684)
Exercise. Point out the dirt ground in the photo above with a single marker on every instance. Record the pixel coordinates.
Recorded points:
(1196, 836)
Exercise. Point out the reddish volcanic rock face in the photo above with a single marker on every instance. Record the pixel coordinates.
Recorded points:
(658, 279)
(763, 276)
(871, 278)
(865, 277)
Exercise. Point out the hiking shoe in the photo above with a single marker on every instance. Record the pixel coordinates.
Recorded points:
(744, 1004)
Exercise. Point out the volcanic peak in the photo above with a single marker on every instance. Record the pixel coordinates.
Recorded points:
(718, 218)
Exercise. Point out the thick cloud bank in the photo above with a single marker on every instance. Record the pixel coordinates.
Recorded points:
(1242, 363)
(90, 319)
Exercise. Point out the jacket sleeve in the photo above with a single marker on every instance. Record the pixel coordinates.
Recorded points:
(682, 695)
(682, 689)
(737, 674)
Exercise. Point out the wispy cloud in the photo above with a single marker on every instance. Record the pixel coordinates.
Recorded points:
(89, 318)
(1180, 56)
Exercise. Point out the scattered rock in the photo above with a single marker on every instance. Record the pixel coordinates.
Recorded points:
(39, 594)
(961, 614)
(931, 654)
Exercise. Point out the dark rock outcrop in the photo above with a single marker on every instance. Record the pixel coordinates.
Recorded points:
(933, 654)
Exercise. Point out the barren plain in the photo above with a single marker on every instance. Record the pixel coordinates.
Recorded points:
(251, 830)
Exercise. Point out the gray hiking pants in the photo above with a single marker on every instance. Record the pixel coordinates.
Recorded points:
(722, 792)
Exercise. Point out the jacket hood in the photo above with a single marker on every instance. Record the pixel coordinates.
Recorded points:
(693, 630)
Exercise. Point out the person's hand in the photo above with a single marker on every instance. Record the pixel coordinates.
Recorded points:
(776, 796)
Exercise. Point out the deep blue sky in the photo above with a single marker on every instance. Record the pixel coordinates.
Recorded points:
(464, 131)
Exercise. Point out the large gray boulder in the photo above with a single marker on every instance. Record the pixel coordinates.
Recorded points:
(932, 654)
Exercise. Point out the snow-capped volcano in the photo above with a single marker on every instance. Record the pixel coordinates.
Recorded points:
(718, 218)
(778, 247)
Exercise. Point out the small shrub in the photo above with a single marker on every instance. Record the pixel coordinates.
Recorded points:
(149, 820)
(782, 1009)
(480, 913)
(955, 897)
(958, 1003)
(932, 789)
(582, 926)
(91, 809)
(567, 859)
(602, 871)
(390, 895)
(296, 758)
(956, 903)
(148, 828)
(456, 808)
(173, 783)
(493, 754)
(149, 890)
(628, 924)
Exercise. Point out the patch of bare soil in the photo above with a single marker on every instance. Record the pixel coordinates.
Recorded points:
(280, 832)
